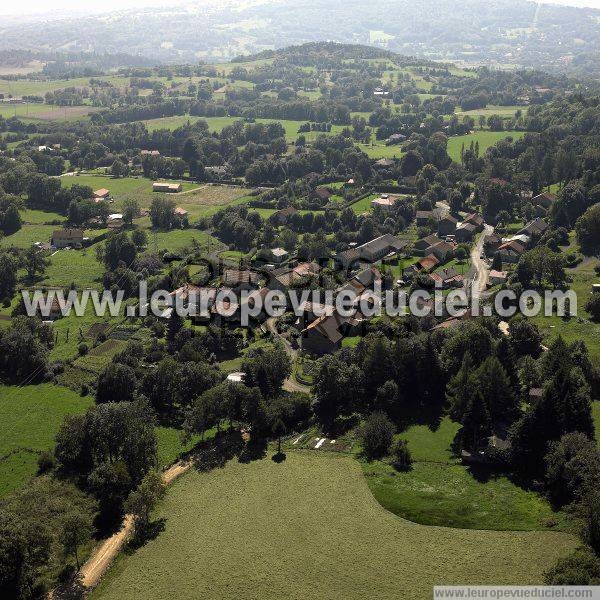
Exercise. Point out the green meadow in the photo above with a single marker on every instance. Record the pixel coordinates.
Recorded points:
(485, 139)
(310, 528)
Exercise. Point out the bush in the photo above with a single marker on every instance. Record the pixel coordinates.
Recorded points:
(593, 306)
(376, 435)
(83, 349)
(579, 568)
(46, 462)
(401, 456)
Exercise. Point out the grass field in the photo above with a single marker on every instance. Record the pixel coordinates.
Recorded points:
(378, 150)
(45, 112)
(440, 491)
(310, 528)
(74, 266)
(485, 139)
(579, 327)
(29, 419)
(501, 111)
(28, 234)
(364, 205)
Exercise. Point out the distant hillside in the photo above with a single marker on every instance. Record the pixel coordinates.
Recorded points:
(500, 33)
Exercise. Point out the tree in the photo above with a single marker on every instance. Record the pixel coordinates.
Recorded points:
(117, 383)
(142, 501)
(174, 326)
(278, 429)
(376, 435)
(35, 262)
(140, 238)
(476, 423)
(588, 231)
(497, 262)
(131, 211)
(336, 389)
(119, 168)
(76, 529)
(592, 306)
(459, 388)
(8, 276)
(524, 337)
(267, 368)
(162, 213)
(11, 221)
(496, 390)
(401, 456)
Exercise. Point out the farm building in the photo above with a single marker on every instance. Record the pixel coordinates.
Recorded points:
(169, 188)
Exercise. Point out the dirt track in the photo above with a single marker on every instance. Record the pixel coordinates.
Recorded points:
(98, 563)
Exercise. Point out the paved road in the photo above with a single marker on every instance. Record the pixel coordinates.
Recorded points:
(480, 277)
(290, 384)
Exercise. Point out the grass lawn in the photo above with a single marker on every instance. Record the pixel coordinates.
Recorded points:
(27, 235)
(485, 139)
(310, 528)
(579, 327)
(29, 419)
(170, 446)
(378, 150)
(440, 491)
(74, 266)
(364, 205)
(501, 111)
(44, 112)
(32, 216)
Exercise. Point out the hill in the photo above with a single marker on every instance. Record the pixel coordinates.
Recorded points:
(310, 528)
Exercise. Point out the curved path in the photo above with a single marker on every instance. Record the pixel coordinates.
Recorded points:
(100, 560)
(290, 384)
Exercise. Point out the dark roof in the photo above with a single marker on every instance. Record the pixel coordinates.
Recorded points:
(424, 214)
(368, 276)
(386, 241)
(235, 277)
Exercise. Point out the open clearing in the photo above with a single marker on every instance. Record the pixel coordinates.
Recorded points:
(29, 419)
(485, 139)
(310, 528)
(441, 491)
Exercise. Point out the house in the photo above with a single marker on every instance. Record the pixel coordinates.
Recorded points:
(239, 280)
(180, 212)
(369, 278)
(475, 219)
(491, 244)
(395, 138)
(101, 194)
(447, 226)
(422, 245)
(114, 221)
(282, 216)
(384, 163)
(169, 188)
(447, 278)
(410, 271)
(497, 277)
(385, 201)
(371, 251)
(535, 228)
(322, 193)
(442, 250)
(428, 263)
(325, 334)
(423, 217)
(545, 199)
(149, 153)
(511, 252)
(63, 238)
(350, 182)
(465, 232)
(274, 255)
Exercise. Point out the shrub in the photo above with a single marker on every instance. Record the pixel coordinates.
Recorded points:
(376, 435)
(593, 306)
(46, 462)
(83, 349)
(401, 456)
(579, 568)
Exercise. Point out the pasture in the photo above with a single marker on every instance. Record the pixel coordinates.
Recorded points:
(45, 112)
(30, 416)
(310, 528)
(441, 491)
(485, 139)
(378, 149)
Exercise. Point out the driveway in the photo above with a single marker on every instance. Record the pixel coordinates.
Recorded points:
(481, 274)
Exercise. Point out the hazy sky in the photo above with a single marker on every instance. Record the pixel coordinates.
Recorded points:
(14, 7)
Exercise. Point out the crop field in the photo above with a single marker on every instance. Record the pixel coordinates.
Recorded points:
(440, 491)
(98, 357)
(485, 139)
(29, 419)
(310, 528)
(206, 200)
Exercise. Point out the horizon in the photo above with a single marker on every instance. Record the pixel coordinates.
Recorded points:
(28, 8)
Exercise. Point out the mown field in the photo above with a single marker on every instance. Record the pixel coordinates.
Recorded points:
(485, 139)
(310, 528)
(29, 419)
(45, 112)
(441, 491)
